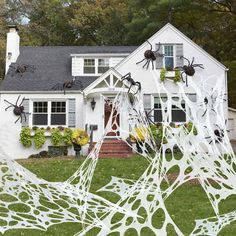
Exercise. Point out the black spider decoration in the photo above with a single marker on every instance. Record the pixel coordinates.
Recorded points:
(210, 102)
(188, 69)
(219, 134)
(65, 85)
(132, 83)
(21, 69)
(151, 56)
(18, 109)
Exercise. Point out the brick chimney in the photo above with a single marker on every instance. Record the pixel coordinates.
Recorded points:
(13, 46)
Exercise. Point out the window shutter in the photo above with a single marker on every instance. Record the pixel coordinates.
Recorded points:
(71, 113)
(25, 104)
(179, 52)
(147, 102)
(159, 60)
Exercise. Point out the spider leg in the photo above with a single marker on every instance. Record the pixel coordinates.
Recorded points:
(8, 107)
(22, 101)
(152, 65)
(186, 60)
(186, 79)
(146, 63)
(24, 116)
(192, 61)
(18, 119)
(159, 46)
(204, 113)
(17, 100)
(140, 61)
(198, 65)
(182, 77)
(129, 88)
(9, 103)
(150, 45)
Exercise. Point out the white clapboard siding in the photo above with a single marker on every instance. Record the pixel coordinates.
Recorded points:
(77, 66)
(115, 60)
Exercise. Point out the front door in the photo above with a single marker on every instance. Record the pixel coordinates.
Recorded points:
(108, 105)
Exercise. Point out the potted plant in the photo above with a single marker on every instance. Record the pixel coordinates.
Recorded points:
(79, 139)
(39, 137)
(57, 149)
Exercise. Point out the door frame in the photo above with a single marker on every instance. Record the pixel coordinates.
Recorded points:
(111, 96)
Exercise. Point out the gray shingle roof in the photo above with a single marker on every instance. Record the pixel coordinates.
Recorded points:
(50, 65)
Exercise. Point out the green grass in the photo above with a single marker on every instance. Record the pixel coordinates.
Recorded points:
(186, 204)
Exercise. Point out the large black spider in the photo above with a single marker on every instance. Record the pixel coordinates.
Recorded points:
(21, 69)
(18, 109)
(219, 134)
(188, 69)
(150, 55)
(132, 83)
(65, 85)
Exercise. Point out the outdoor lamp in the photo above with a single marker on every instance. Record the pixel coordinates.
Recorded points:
(93, 103)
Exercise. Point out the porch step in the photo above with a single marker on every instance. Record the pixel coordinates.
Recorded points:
(114, 148)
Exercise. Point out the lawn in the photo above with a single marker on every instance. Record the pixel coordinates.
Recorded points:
(186, 204)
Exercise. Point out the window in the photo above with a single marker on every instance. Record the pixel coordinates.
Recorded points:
(157, 108)
(169, 57)
(177, 114)
(58, 113)
(40, 113)
(96, 66)
(103, 65)
(48, 113)
(89, 66)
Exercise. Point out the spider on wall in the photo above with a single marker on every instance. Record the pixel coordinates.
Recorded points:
(132, 83)
(20, 69)
(18, 109)
(151, 56)
(67, 84)
(188, 70)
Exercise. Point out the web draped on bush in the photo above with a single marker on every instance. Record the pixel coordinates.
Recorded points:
(28, 202)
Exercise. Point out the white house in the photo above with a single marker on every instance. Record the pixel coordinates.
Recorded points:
(38, 74)
(232, 123)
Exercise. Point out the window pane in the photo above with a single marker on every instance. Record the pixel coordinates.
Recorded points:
(89, 62)
(58, 107)
(89, 70)
(169, 62)
(102, 70)
(168, 50)
(103, 62)
(178, 116)
(158, 116)
(40, 119)
(58, 119)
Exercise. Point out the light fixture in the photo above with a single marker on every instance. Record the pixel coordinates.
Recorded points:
(93, 103)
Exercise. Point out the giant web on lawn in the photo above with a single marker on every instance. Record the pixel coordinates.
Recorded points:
(206, 157)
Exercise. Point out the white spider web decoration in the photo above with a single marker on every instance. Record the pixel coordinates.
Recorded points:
(206, 156)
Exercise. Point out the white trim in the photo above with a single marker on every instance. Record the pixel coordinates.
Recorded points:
(99, 55)
(168, 25)
(111, 71)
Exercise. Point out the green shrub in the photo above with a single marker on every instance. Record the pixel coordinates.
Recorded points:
(67, 136)
(177, 77)
(39, 138)
(25, 137)
(163, 74)
(56, 137)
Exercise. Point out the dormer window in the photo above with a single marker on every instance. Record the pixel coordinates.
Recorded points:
(96, 66)
(103, 65)
(89, 66)
(169, 57)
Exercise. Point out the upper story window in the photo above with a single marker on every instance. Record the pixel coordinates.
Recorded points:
(48, 113)
(89, 66)
(103, 65)
(96, 65)
(169, 57)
